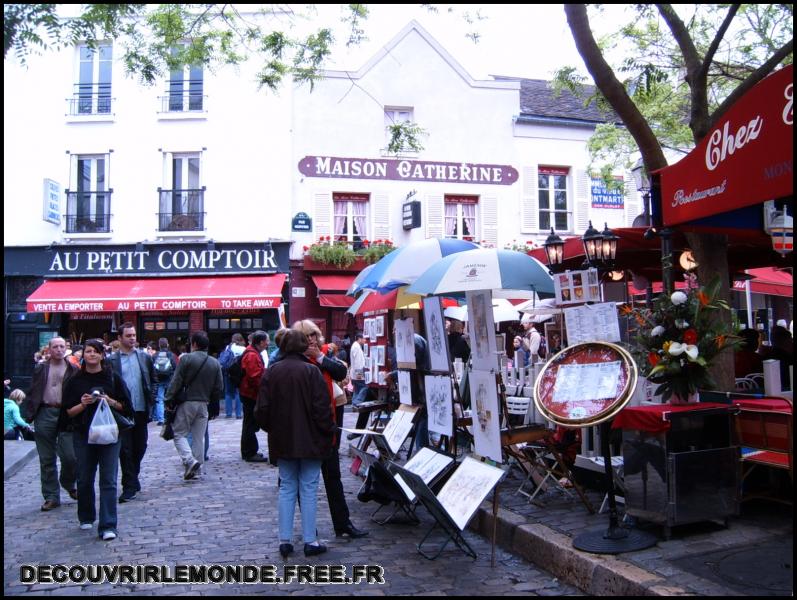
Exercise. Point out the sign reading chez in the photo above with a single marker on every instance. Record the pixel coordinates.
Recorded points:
(168, 259)
(747, 158)
(407, 170)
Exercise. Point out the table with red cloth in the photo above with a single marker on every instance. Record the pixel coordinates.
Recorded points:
(654, 418)
(775, 404)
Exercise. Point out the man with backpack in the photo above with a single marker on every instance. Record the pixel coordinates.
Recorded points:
(165, 364)
(248, 369)
(232, 399)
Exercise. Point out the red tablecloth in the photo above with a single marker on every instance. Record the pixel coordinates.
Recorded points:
(777, 404)
(654, 418)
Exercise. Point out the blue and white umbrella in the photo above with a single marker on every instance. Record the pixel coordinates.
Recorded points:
(484, 269)
(405, 264)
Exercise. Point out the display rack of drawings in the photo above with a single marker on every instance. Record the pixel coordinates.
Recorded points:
(459, 428)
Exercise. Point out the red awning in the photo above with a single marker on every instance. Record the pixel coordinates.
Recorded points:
(335, 300)
(768, 281)
(184, 293)
(333, 283)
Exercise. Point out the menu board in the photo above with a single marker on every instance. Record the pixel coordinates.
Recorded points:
(592, 323)
(576, 287)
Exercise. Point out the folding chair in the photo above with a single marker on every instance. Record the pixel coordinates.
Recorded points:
(766, 440)
(745, 384)
(517, 406)
(545, 457)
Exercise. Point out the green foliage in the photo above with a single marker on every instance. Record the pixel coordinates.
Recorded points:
(374, 251)
(327, 252)
(676, 342)
(405, 137)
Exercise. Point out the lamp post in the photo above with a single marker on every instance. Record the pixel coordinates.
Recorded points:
(643, 185)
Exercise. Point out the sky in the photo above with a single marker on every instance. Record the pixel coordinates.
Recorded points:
(529, 41)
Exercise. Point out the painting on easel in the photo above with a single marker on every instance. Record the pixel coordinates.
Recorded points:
(436, 335)
(438, 404)
(486, 420)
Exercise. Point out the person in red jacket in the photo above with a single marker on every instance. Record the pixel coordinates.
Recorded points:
(253, 367)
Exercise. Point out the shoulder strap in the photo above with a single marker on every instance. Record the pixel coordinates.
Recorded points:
(198, 371)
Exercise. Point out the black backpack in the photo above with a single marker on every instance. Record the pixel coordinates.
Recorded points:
(236, 371)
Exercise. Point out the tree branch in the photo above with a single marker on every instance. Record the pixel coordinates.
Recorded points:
(612, 89)
(753, 79)
(715, 43)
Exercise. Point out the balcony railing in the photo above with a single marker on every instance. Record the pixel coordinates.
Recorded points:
(179, 100)
(88, 212)
(90, 100)
(181, 210)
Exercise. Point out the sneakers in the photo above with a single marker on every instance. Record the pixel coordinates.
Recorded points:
(109, 535)
(191, 470)
(314, 549)
(86, 526)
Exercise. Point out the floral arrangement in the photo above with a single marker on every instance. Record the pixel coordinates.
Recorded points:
(519, 247)
(373, 251)
(679, 338)
(329, 252)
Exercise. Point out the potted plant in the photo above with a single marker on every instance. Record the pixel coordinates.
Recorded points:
(374, 251)
(677, 340)
(328, 252)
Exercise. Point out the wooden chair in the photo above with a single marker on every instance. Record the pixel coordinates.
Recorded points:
(766, 440)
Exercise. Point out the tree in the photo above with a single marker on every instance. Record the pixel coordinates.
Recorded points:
(157, 39)
(716, 69)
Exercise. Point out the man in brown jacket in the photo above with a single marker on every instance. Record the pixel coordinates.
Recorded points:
(42, 408)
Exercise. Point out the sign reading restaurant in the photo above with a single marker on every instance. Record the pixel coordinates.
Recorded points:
(407, 170)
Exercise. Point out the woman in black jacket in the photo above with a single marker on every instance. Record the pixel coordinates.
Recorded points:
(82, 394)
(293, 407)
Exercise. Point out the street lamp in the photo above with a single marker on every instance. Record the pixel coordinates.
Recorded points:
(554, 250)
(593, 248)
(642, 183)
(608, 244)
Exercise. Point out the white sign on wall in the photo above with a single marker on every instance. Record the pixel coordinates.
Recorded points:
(52, 202)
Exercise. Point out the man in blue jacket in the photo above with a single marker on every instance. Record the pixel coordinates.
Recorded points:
(136, 369)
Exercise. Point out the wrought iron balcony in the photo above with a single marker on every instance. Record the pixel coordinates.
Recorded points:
(181, 210)
(88, 212)
(90, 100)
(179, 100)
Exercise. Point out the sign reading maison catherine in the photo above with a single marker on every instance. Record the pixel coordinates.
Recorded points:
(407, 170)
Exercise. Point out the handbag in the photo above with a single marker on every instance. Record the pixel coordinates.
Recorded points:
(124, 423)
(167, 432)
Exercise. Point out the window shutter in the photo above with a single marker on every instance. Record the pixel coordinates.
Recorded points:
(489, 210)
(529, 203)
(322, 203)
(581, 202)
(633, 206)
(380, 216)
(434, 216)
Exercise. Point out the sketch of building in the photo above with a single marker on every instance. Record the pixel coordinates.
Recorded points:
(466, 490)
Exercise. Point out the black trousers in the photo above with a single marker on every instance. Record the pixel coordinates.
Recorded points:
(249, 428)
(134, 446)
(330, 470)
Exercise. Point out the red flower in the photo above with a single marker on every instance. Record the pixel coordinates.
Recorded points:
(306, 248)
(529, 242)
(690, 336)
(653, 358)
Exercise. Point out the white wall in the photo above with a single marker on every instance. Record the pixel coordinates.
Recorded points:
(244, 137)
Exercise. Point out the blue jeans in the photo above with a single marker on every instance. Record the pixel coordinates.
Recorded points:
(89, 457)
(157, 408)
(360, 391)
(298, 477)
(231, 398)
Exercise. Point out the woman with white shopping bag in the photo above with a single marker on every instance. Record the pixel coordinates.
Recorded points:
(89, 400)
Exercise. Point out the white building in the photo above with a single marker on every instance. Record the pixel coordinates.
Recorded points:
(202, 174)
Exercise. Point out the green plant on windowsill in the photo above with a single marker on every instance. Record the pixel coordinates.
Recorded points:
(525, 248)
(327, 252)
(374, 251)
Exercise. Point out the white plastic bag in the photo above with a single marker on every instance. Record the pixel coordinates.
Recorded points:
(103, 429)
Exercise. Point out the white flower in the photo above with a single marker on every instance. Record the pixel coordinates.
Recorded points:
(678, 298)
(657, 331)
(681, 323)
(677, 348)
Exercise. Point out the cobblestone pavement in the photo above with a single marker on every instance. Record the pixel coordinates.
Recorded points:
(229, 517)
